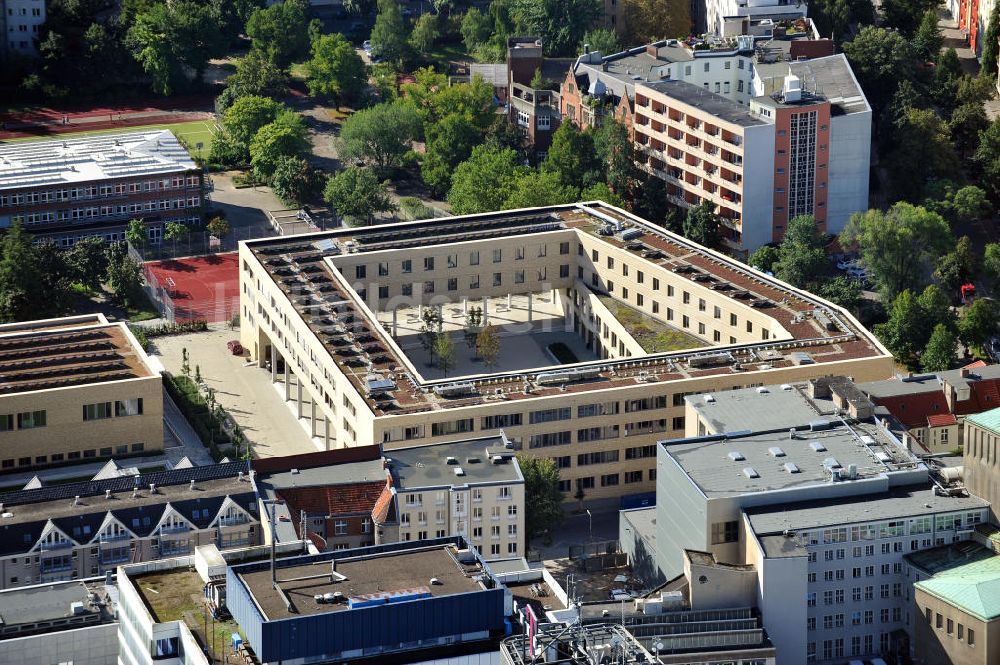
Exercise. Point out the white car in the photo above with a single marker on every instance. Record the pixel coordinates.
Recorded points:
(367, 46)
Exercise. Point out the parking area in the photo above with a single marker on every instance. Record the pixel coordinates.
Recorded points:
(244, 390)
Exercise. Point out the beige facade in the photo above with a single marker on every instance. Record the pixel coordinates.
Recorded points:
(945, 634)
(600, 428)
(981, 463)
(76, 389)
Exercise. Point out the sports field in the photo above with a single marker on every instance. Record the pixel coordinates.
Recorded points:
(189, 133)
(201, 287)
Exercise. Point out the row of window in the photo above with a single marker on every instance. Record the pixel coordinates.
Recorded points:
(861, 645)
(452, 260)
(96, 191)
(607, 480)
(451, 284)
(72, 456)
(859, 618)
(968, 635)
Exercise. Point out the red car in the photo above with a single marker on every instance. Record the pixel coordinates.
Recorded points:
(235, 347)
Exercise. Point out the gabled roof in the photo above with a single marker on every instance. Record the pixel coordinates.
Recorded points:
(385, 508)
(913, 410)
(941, 420)
(983, 395)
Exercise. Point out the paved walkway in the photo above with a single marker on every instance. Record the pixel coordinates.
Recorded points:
(958, 40)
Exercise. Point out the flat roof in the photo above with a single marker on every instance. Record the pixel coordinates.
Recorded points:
(61, 353)
(900, 502)
(69, 159)
(760, 409)
(737, 464)
(22, 607)
(374, 574)
(643, 520)
(429, 466)
(299, 267)
(699, 97)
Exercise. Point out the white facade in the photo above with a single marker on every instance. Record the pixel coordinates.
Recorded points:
(22, 21)
(95, 645)
(716, 11)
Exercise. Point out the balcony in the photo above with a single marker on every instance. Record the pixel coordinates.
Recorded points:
(59, 544)
(169, 548)
(168, 529)
(114, 556)
(56, 564)
(233, 520)
(115, 537)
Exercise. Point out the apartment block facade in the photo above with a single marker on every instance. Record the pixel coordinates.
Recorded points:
(21, 22)
(82, 530)
(67, 189)
(76, 389)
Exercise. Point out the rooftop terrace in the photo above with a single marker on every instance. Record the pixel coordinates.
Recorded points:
(360, 346)
(67, 352)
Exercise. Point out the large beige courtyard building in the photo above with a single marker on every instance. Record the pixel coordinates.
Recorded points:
(605, 323)
(75, 389)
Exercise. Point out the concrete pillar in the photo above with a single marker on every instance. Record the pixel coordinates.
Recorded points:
(440, 318)
(486, 311)
(395, 324)
(465, 306)
(288, 383)
(509, 305)
(529, 308)
(274, 364)
(298, 387)
(326, 432)
(312, 418)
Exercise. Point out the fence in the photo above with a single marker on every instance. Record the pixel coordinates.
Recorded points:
(156, 292)
(201, 243)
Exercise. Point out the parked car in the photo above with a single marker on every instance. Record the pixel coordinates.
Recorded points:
(235, 347)
(367, 46)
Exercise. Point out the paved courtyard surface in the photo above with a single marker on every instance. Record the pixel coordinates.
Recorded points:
(244, 390)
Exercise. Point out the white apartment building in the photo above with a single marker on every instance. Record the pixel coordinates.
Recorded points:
(21, 23)
(805, 485)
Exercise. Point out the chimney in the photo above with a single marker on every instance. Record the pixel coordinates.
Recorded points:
(135, 492)
(152, 488)
(76, 500)
(965, 372)
(191, 486)
(239, 477)
(107, 494)
(586, 49)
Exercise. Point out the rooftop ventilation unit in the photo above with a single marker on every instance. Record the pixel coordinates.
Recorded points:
(867, 440)
(883, 456)
(710, 398)
(801, 358)
(566, 376)
(775, 451)
(750, 472)
(452, 460)
(630, 234)
(459, 471)
(831, 463)
(817, 447)
(786, 386)
(375, 383)
(819, 425)
(736, 456)
(762, 390)
(455, 389)
(790, 467)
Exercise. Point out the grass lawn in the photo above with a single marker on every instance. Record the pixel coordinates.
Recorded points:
(445, 53)
(652, 335)
(189, 133)
(142, 310)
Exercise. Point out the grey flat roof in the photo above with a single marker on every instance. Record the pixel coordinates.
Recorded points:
(332, 474)
(897, 387)
(831, 78)
(902, 502)
(643, 520)
(709, 463)
(45, 602)
(427, 466)
(390, 572)
(699, 97)
(749, 409)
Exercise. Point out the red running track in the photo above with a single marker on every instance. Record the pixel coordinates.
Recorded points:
(203, 287)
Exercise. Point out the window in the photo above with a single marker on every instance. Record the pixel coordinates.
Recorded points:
(497, 279)
(474, 258)
(725, 532)
(32, 419)
(128, 407)
(340, 528)
(6, 422)
(407, 266)
(970, 637)
(428, 263)
(360, 272)
(497, 256)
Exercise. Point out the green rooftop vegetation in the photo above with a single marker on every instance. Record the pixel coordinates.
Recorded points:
(652, 335)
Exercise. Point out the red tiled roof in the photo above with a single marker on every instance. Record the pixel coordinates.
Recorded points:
(941, 420)
(914, 410)
(983, 396)
(333, 500)
(976, 364)
(313, 460)
(384, 508)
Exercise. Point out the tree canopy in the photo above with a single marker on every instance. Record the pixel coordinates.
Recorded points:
(380, 135)
(281, 31)
(485, 181)
(356, 194)
(542, 498)
(335, 71)
(560, 23)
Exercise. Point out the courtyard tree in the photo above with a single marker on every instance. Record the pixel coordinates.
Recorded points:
(294, 180)
(488, 346)
(335, 71)
(649, 20)
(356, 195)
(802, 258)
(444, 352)
(430, 322)
(604, 40)
(285, 137)
(957, 267)
(560, 23)
(218, 227)
(987, 159)
(881, 58)
(898, 245)
(136, 233)
(473, 326)
(936, 308)
(449, 143)
(540, 188)
(247, 115)
(425, 34)
(380, 135)
(991, 260)
(764, 258)
(389, 35)
(939, 354)
(542, 498)
(841, 290)
(19, 276)
(176, 232)
(905, 333)
(281, 31)
(171, 40)
(701, 225)
(476, 28)
(573, 157)
(928, 40)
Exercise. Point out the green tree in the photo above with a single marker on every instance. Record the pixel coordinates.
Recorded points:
(978, 323)
(842, 291)
(802, 258)
(502, 133)
(449, 143)
(967, 121)
(485, 181)
(764, 258)
(542, 498)
(948, 75)
(434, 99)
(170, 39)
(335, 71)
(380, 135)
(136, 234)
(285, 137)
(616, 152)
(560, 23)
(988, 62)
(924, 151)
(488, 346)
(991, 260)
(55, 277)
(19, 277)
(604, 40)
(898, 245)
(176, 232)
(906, 15)
(476, 28)
(294, 181)
(987, 159)
(88, 262)
(473, 326)
(572, 157)
(958, 266)
(928, 40)
(256, 74)
(218, 227)
(389, 35)
(539, 188)
(834, 18)
(936, 306)
(881, 59)
(124, 276)
(905, 333)
(939, 354)
(649, 20)
(281, 31)
(356, 194)
(599, 191)
(444, 353)
(701, 225)
(650, 201)
(428, 334)
(244, 118)
(425, 34)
